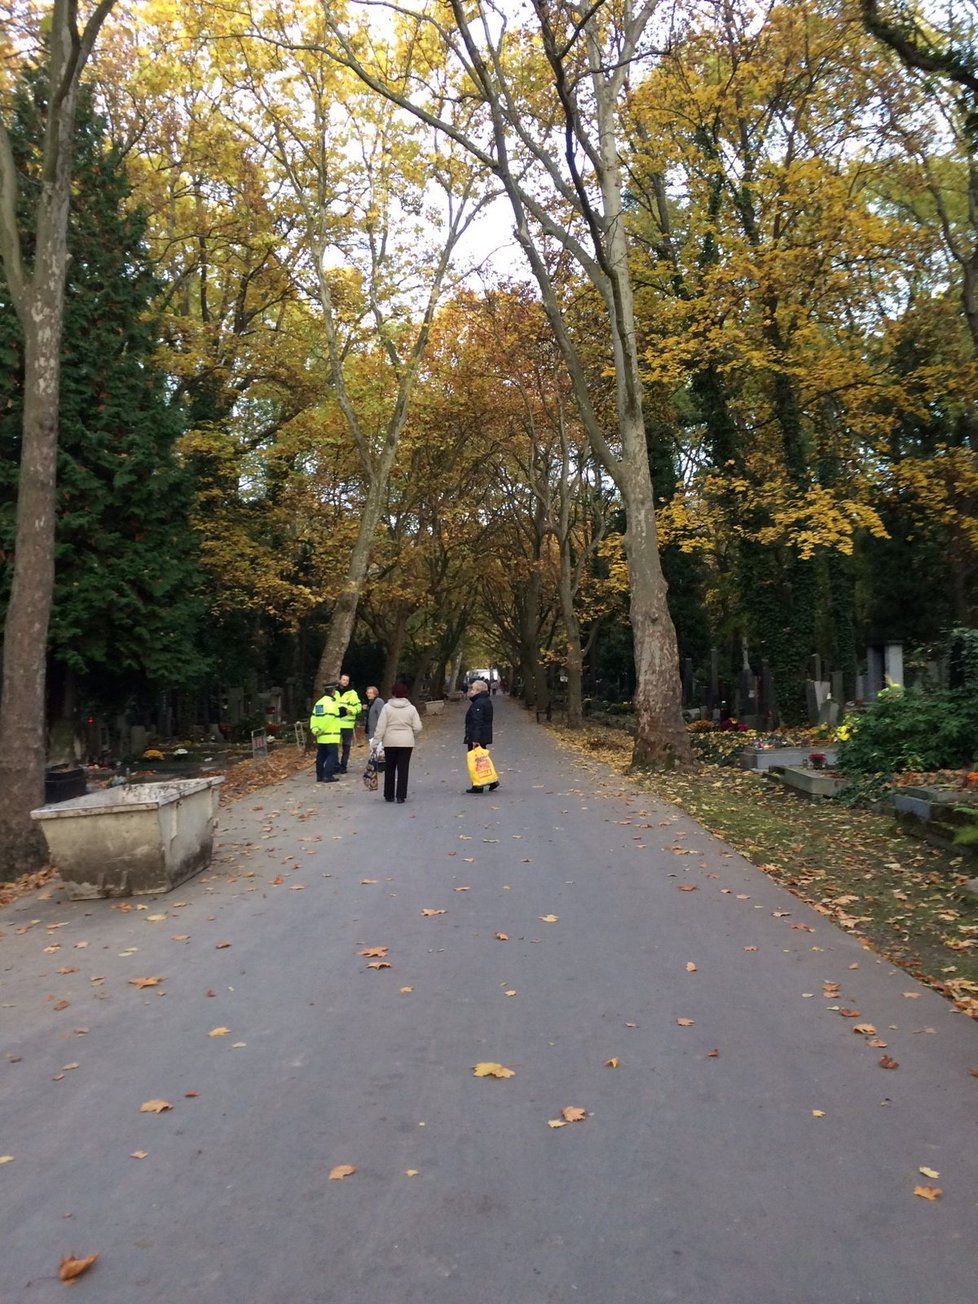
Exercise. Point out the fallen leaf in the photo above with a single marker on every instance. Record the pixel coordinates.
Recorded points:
(62, 1005)
(340, 1171)
(549, 919)
(573, 1114)
(405, 990)
(487, 1069)
(365, 881)
(866, 1029)
(191, 1095)
(690, 967)
(850, 1014)
(512, 992)
(556, 1122)
(750, 948)
(428, 913)
(461, 889)
(502, 937)
(929, 1172)
(379, 964)
(66, 1068)
(410, 1172)
(70, 1268)
(238, 1045)
(145, 982)
(374, 951)
(277, 881)
(911, 996)
(219, 1032)
(818, 1113)
(6, 1159)
(154, 919)
(180, 937)
(612, 1063)
(154, 1107)
(67, 968)
(712, 1054)
(928, 1192)
(887, 1063)
(222, 946)
(685, 1023)
(687, 887)
(139, 1154)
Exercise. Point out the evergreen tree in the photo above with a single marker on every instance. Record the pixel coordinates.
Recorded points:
(126, 598)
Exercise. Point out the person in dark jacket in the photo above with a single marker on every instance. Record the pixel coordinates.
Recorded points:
(478, 721)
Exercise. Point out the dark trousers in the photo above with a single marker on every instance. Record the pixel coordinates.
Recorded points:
(325, 760)
(346, 737)
(397, 763)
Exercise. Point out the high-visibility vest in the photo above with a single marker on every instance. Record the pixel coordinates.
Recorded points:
(350, 700)
(324, 723)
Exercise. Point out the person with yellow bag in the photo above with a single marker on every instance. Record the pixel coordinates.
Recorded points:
(478, 736)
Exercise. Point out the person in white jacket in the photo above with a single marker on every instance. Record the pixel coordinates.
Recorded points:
(397, 728)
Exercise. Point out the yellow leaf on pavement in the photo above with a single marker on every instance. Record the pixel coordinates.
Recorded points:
(154, 1106)
(340, 1171)
(70, 1268)
(612, 1063)
(928, 1192)
(929, 1172)
(219, 1032)
(428, 913)
(549, 919)
(573, 1114)
(145, 982)
(488, 1069)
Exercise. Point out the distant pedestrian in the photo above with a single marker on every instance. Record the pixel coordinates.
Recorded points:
(397, 728)
(324, 725)
(478, 721)
(348, 719)
(374, 706)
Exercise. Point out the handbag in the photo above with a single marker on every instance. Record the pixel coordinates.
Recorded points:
(481, 768)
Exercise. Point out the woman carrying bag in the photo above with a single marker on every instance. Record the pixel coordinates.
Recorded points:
(397, 728)
(478, 724)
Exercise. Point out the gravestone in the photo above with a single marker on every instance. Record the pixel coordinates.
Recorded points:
(837, 681)
(893, 663)
(138, 737)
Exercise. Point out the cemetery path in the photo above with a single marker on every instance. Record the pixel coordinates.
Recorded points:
(741, 1141)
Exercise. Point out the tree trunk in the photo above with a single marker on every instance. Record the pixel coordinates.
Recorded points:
(392, 661)
(22, 718)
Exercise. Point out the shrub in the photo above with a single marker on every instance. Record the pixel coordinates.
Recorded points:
(912, 730)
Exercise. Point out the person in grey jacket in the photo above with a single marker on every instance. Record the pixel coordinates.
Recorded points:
(397, 727)
(375, 704)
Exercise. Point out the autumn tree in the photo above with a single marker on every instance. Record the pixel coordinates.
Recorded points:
(549, 89)
(34, 256)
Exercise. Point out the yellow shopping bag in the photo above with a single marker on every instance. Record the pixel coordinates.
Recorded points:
(481, 768)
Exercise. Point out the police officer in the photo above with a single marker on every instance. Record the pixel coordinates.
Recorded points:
(324, 725)
(348, 700)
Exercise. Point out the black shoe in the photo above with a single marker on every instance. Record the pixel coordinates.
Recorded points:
(473, 789)
(329, 780)
(388, 799)
(493, 786)
(401, 801)
(343, 771)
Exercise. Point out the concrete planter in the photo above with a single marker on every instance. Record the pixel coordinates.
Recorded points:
(765, 758)
(813, 784)
(434, 708)
(136, 840)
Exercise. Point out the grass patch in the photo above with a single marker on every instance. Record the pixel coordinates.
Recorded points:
(896, 892)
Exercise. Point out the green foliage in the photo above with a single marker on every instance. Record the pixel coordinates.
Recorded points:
(912, 730)
(126, 592)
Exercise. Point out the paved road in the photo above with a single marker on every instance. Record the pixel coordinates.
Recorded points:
(779, 1171)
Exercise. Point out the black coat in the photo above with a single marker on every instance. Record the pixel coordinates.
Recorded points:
(478, 720)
